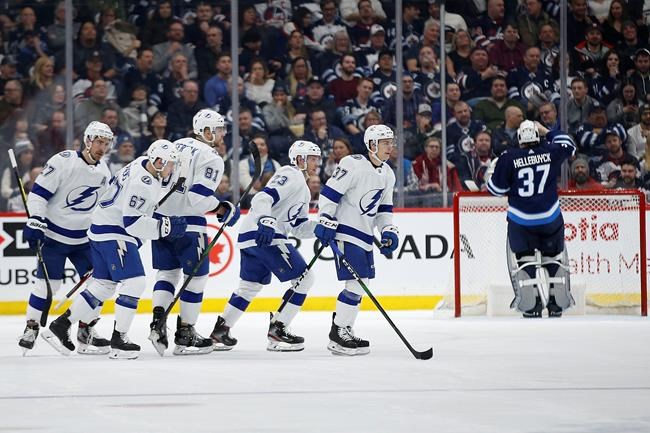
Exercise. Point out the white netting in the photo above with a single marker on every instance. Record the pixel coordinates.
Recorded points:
(603, 236)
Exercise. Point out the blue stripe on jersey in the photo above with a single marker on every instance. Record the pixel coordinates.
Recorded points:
(495, 190)
(130, 220)
(74, 234)
(525, 219)
(331, 194)
(42, 192)
(273, 193)
(249, 236)
(351, 231)
(238, 302)
(108, 229)
(191, 297)
(164, 285)
(387, 208)
(203, 190)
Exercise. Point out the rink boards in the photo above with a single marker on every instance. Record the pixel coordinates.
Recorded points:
(416, 277)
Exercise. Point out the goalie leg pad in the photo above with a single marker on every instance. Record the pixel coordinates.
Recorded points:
(521, 269)
(560, 279)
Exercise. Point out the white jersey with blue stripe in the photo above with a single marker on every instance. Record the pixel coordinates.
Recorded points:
(360, 196)
(285, 198)
(528, 176)
(196, 196)
(126, 208)
(65, 194)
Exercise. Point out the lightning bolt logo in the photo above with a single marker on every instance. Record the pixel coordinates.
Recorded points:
(121, 251)
(293, 213)
(284, 252)
(79, 195)
(371, 198)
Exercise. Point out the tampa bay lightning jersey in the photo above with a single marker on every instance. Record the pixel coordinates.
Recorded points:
(203, 168)
(65, 194)
(285, 198)
(125, 209)
(528, 176)
(360, 196)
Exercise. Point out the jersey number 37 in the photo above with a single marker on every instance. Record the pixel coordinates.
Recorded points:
(528, 177)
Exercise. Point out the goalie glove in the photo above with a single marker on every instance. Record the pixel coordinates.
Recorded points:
(172, 227)
(325, 230)
(34, 231)
(227, 213)
(389, 240)
(265, 230)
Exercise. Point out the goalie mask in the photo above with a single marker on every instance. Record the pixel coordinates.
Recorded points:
(208, 119)
(303, 148)
(527, 134)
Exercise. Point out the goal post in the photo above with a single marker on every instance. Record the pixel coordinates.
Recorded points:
(605, 234)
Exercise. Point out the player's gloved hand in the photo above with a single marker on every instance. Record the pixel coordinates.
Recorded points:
(389, 240)
(265, 230)
(172, 227)
(34, 231)
(230, 215)
(326, 229)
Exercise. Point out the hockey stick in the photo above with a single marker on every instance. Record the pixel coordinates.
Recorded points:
(301, 277)
(427, 354)
(87, 275)
(39, 253)
(258, 172)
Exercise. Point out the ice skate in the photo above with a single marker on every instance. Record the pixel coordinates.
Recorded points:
(221, 338)
(122, 347)
(534, 312)
(58, 334)
(189, 342)
(363, 346)
(159, 338)
(554, 310)
(341, 341)
(282, 340)
(28, 339)
(90, 343)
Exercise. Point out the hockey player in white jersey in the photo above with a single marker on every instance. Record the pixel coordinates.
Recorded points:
(61, 202)
(120, 223)
(280, 209)
(356, 199)
(173, 257)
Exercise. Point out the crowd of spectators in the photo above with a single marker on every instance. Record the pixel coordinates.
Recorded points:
(324, 71)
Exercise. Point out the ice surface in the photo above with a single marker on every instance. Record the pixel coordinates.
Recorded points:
(575, 374)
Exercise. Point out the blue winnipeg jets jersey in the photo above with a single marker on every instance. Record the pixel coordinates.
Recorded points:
(125, 210)
(528, 176)
(360, 196)
(285, 198)
(65, 194)
(203, 168)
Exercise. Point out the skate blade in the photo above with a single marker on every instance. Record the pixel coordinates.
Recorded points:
(339, 350)
(219, 347)
(154, 337)
(191, 350)
(89, 349)
(123, 354)
(278, 346)
(53, 341)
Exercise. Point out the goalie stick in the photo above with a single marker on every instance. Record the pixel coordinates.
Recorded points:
(173, 189)
(427, 354)
(39, 253)
(258, 172)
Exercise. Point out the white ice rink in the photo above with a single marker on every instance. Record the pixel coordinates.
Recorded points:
(575, 374)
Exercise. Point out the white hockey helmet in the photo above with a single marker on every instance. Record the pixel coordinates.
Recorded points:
(302, 148)
(527, 132)
(163, 150)
(207, 118)
(97, 129)
(374, 133)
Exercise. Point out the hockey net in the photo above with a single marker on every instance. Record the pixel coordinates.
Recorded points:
(605, 239)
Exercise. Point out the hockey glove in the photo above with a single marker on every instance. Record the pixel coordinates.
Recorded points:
(389, 240)
(265, 231)
(172, 227)
(231, 213)
(325, 230)
(34, 231)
